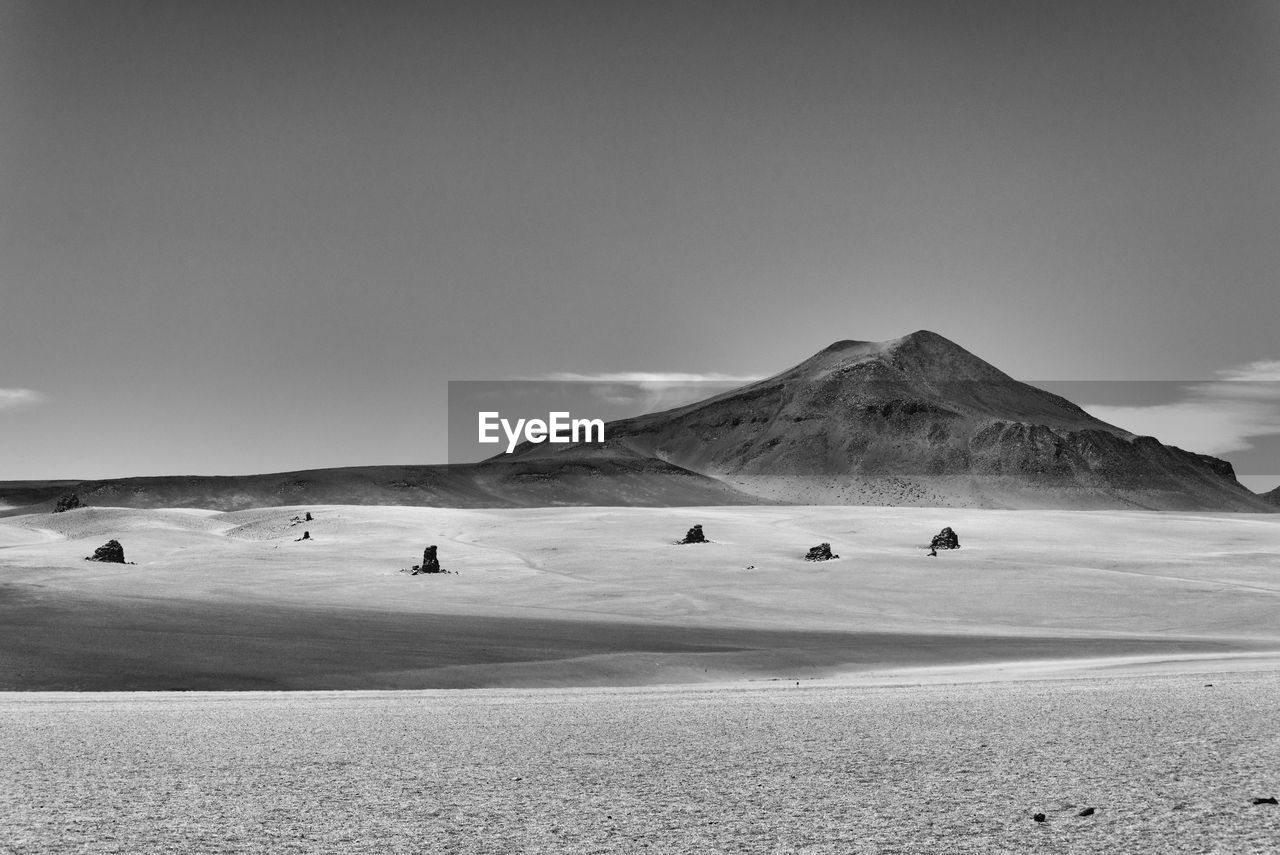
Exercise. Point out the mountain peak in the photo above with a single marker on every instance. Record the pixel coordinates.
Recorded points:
(925, 342)
(923, 336)
(846, 344)
(919, 357)
(919, 338)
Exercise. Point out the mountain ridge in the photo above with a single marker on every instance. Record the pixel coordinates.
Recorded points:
(916, 420)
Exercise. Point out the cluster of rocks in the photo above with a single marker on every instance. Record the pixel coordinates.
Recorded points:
(296, 520)
(1086, 812)
(306, 535)
(945, 539)
(821, 552)
(695, 535)
(68, 502)
(110, 552)
(430, 563)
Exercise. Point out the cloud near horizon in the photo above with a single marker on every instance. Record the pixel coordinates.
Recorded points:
(650, 391)
(647, 377)
(12, 399)
(1213, 417)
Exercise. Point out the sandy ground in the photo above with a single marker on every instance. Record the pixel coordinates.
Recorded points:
(591, 596)
(1170, 763)
(884, 702)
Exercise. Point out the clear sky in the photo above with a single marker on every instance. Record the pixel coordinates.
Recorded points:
(258, 236)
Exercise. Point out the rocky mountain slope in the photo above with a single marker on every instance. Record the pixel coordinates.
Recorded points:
(921, 420)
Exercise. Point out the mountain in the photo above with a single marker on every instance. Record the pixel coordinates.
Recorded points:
(920, 420)
(916, 420)
(1272, 497)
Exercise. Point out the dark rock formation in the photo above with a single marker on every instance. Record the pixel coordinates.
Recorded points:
(1087, 812)
(430, 564)
(111, 552)
(1038, 817)
(1271, 498)
(1270, 800)
(945, 539)
(821, 552)
(306, 535)
(307, 518)
(695, 535)
(68, 502)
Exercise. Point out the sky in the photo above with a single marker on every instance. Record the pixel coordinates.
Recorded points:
(247, 237)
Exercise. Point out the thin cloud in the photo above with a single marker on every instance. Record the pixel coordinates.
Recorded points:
(1212, 417)
(1262, 371)
(649, 391)
(648, 377)
(12, 399)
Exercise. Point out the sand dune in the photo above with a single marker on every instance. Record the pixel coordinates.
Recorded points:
(108, 522)
(554, 596)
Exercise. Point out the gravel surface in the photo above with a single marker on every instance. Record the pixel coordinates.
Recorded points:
(1169, 763)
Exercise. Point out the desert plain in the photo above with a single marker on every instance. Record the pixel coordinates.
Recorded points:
(625, 693)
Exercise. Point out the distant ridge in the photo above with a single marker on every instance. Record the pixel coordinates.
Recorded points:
(916, 420)
(573, 480)
(1272, 497)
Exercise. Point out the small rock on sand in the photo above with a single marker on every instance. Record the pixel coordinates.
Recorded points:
(110, 552)
(695, 535)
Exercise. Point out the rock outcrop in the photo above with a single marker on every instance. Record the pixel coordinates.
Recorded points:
(110, 552)
(945, 539)
(695, 535)
(68, 502)
(430, 563)
(1272, 498)
(821, 552)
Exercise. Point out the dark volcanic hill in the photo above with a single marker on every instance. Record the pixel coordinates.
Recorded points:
(1272, 497)
(921, 420)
